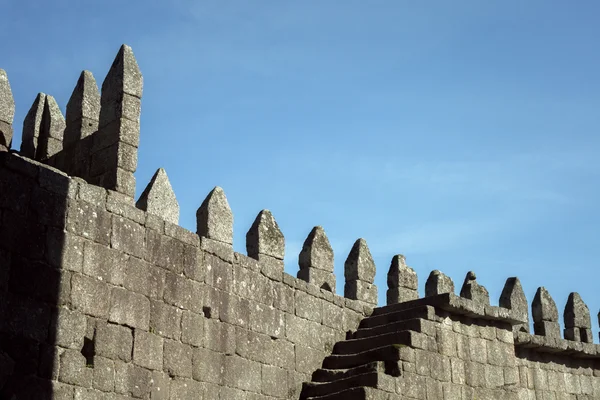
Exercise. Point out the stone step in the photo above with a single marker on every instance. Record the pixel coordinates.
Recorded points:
(345, 361)
(354, 346)
(415, 324)
(425, 312)
(315, 389)
(328, 375)
(360, 393)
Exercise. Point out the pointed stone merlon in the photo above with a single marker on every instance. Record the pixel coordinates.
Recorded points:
(7, 112)
(578, 323)
(513, 298)
(438, 283)
(359, 271)
(214, 219)
(83, 110)
(545, 315)
(402, 281)
(52, 129)
(115, 145)
(265, 243)
(316, 260)
(472, 290)
(159, 199)
(31, 127)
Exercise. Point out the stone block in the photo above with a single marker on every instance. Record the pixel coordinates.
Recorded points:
(160, 386)
(193, 267)
(68, 328)
(322, 279)
(114, 342)
(251, 285)
(265, 237)
(218, 273)
(131, 380)
(333, 316)
(309, 307)
(219, 336)
(550, 329)
(128, 236)
(242, 374)
(90, 296)
(177, 359)
(267, 320)
(283, 297)
(183, 293)
(164, 251)
(192, 328)
(64, 250)
(128, 308)
(207, 366)
(89, 222)
(360, 290)
(438, 283)
(359, 265)
(274, 381)
(400, 295)
(148, 350)
(271, 267)
(165, 320)
(308, 360)
(187, 389)
(73, 369)
(144, 278)
(104, 374)
(104, 263)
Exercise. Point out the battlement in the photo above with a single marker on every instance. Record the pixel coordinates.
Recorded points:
(102, 296)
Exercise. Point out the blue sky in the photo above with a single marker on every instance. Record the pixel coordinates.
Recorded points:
(462, 134)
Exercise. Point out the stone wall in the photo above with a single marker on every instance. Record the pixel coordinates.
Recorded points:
(104, 298)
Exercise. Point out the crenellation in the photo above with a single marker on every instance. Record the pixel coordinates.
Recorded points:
(7, 112)
(51, 131)
(103, 298)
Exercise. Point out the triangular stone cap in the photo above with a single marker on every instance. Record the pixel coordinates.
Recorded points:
(31, 126)
(265, 237)
(159, 198)
(401, 275)
(214, 219)
(438, 283)
(360, 265)
(124, 76)
(577, 313)
(316, 251)
(85, 99)
(543, 307)
(7, 101)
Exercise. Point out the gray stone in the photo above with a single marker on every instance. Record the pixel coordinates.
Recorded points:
(123, 78)
(114, 342)
(31, 127)
(7, 111)
(402, 281)
(359, 265)
(159, 199)
(513, 298)
(192, 328)
(130, 309)
(128, 236)
(69, 328)
(132, 380)
(165, 320)
(51, 130)
(473, 290)
(214, 219)
(316, 251)
(177, 359)
(73, 369)
(265, 237)
(438, 283)
(148, 350)
(83, 109)
(90, 296)
(104, 374)
(318, 277)
(543, 307)
(361, 290)
(577, 313)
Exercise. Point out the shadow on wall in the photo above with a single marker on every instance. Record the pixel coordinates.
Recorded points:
(34, 277)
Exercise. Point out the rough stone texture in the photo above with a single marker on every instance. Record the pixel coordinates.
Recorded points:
(101, 300)
(214, 219)
(31, 127)
(83, 110)
(473, 290)
(402, 281)
(159, 199)
(513, 298)
(52, 129)
(265, 237)
(316, 251)
(438, 283)
(7, 112)
(577, 318)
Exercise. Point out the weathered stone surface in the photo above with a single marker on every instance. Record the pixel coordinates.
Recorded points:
(402, 281)
(68, 328)
(359, 265)
(265, 237)
(31, 127)
(90, 296)
(7, 112)
(73, 369)
(543, 307)
(513, 298)
(214, 219)
(159, 199)
(438, 283)
(577, 313)
(316, 251)
(83, 109)
(361, 290)
(114, 342)
(178, 359)
(123, 79)
(52, 130)
(128, 308)
(318, 277)
(148, 350)
(165, 320)
(473, 290)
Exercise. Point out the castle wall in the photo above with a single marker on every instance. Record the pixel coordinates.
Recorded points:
(155, 308)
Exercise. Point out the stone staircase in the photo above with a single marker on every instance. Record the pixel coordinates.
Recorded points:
(366, 365)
